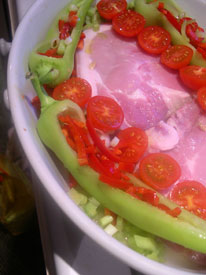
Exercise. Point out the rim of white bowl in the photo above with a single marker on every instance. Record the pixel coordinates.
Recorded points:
(125, 254)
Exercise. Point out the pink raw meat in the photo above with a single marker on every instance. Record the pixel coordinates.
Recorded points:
(190, 152)
(151, 97)
(135, 79)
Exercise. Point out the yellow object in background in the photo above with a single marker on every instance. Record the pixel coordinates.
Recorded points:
(16, 199)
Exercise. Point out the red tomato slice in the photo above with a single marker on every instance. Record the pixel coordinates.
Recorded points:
(192, 196)
(154, 39)
(128, 23)
(201, 97)
(177, 56)
(104, 113)
(75, 89)
(193, 76)
(109, 8)
(132, 145)
(159, 170)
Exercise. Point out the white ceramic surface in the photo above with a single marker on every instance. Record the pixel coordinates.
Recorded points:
(30, 32)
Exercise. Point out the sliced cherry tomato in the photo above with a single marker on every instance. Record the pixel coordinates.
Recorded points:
(192, 196)
(128, 23)
(75, 89)
(193, 76)
(134, 135)
(104, 113)
(154, 39)
(201, 97)
(109, 8)
(128, 152)
(132, 144)
(177, 56)
(159, 170)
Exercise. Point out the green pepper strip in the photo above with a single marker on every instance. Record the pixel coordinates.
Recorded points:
(155, 17)
(186, 229)
(51, 70)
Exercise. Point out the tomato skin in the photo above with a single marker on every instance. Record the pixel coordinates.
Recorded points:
(154, 39)
(109, 8)
(159, 170)
(201, 97)
(76, 89)
(104, 113)
(128, 23)
(133, 143)
(190, 195)
(194, 77)
(177, 56)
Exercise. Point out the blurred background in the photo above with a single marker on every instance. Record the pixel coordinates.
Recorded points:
(20, 247)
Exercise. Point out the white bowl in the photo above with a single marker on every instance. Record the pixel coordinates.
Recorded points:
(32, 30)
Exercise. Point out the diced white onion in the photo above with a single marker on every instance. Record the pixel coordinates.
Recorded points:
(110, 229)
(114, 141)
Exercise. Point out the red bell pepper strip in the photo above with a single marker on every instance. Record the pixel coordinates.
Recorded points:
(73, 18)
(116, 183)
(69, 140)
(51, 53)
(170, 17)
(80, 146)
(96, 164)
(98, 142)
(202, 51)
(174, 212)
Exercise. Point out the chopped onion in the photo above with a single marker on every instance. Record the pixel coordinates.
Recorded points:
(114, 141)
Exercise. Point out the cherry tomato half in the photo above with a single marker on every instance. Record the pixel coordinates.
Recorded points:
(192, 196)
(154, 39)
(104, 113)
(132, 145)
(128, 23)
(201, 97)
(193, 76)
(109, 8)
(159, 170)
(75, 89)
(177, 56)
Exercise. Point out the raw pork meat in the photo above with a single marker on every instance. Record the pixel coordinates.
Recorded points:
(151, 96)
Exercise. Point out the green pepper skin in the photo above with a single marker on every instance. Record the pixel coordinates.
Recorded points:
(51, 70)
(154, 17)
(141, 214)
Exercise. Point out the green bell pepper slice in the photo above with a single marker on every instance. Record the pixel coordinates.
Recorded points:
(52, 70)
(154, 17)
(187, 229)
